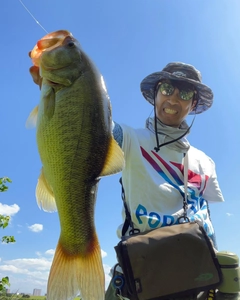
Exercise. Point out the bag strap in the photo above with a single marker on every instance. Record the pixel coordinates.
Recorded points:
(128, 220)
(185, 179)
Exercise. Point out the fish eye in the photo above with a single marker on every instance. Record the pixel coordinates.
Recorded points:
(71, 44)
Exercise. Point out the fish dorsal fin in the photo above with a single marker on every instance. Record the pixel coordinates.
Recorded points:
(44, 194)
(115, 159)
(32, 118)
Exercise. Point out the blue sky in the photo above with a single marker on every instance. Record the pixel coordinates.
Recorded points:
(127, 40)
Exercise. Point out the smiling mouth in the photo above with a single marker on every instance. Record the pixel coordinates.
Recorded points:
(170, 111)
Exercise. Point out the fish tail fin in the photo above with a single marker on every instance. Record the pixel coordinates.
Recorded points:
(70, 274)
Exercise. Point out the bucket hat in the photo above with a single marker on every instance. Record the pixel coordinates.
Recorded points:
(182, 72)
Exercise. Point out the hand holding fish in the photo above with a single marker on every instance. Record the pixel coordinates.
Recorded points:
(76, 147)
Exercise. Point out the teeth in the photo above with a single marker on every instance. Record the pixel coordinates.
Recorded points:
(170, 111)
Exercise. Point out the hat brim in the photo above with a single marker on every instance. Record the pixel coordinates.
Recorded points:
(205, 94)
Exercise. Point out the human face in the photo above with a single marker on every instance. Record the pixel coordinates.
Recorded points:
(171, 110)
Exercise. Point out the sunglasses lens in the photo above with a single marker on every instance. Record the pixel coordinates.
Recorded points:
(186, 95)
(166, 89)
(186, 90)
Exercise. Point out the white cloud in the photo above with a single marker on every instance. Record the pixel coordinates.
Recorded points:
(9, 210)
(103, 253)
(36, 227)
(30, 263)
(28, 273)
(13, 269)
(107, 275)
(229, 214)
(50, 252)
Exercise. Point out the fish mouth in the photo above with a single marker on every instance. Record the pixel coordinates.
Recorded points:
(56, 85)
(52, 83)
(47, 43)
(52, 68)
(57, 82)
(51, 55)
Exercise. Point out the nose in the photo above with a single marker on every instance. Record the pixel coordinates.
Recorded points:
(175, 96)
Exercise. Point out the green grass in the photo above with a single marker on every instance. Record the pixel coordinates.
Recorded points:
(14, 297)
(43, 297)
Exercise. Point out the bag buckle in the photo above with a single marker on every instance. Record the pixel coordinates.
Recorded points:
(134, 231)
(185, 219)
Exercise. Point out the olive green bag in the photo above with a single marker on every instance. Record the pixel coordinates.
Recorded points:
(168, 262)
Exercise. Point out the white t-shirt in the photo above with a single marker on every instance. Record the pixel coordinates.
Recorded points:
(154, 183)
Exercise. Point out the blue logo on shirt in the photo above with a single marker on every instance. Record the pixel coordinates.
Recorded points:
(154, 219)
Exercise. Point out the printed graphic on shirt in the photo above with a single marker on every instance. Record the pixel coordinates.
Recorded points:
(172, 173)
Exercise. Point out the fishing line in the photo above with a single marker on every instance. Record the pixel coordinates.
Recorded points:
(32, 16)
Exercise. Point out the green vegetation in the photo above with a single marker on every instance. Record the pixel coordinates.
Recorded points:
(21, 297)
(25, 297)
(4, 220)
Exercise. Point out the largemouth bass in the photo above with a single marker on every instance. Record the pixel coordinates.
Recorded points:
(76, 147)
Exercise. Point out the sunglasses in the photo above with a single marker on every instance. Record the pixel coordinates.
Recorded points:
(186, 90)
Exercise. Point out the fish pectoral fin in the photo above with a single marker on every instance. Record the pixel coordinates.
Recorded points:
(32, 119)
(70, 274)
(115, 159)
(44, 194)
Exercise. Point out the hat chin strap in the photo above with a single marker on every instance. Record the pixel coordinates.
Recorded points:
(170, 142)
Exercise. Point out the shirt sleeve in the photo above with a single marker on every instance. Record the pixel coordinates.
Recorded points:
(117, 133)
(213, 192)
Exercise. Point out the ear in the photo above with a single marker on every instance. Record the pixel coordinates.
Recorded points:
(194, 104)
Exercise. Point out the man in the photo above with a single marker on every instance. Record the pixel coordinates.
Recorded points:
(153, 180)
(153, 176)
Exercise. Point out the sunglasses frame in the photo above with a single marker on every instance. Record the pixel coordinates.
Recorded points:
(193, 97)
